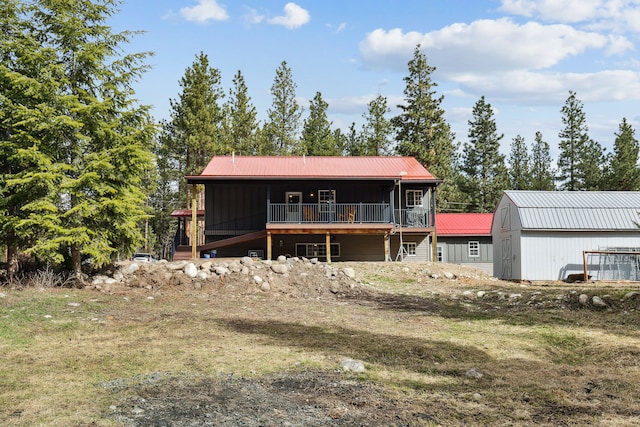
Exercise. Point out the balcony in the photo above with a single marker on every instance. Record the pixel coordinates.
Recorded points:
(346, 213)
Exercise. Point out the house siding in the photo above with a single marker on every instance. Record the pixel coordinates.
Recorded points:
(456, 251)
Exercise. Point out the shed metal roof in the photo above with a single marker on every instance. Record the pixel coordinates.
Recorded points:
(314, 167)
(464, 224)
(577, 210)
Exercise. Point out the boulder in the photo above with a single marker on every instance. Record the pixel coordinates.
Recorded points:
(190, 270)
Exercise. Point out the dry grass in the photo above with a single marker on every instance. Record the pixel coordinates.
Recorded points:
(552, 366)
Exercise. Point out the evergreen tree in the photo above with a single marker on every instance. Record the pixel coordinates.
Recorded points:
(485, 174)
(242, 118)
(542, 174)
(580, 161)
(283, 124)
(421, 130)
(354, 142)
(317, 138)
(624, 172)
(79, 139)
(377, 128)
(519, 172)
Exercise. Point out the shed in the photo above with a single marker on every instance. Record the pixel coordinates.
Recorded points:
(541, 235)
(465, 239)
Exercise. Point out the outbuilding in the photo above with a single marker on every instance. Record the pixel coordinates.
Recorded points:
(465, 239)
(544, 235)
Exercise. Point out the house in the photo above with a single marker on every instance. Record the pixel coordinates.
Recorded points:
(465, 238)
(550, 235)
(332, 208)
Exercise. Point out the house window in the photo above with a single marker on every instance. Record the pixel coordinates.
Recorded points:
(440, 253)
(326, 198)
(312, 250)
(414, 198)
(474, 249)
(410, 247)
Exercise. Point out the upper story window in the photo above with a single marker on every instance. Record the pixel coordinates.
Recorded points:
(325, 199)
(414, 198)
(474, 249)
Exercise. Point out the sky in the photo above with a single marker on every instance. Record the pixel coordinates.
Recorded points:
(523, 56)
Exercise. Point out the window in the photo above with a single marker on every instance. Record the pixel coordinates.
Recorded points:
(312, 250)
(414, 198)
(326, 198)
(440, 253)
(474, 249)
(410, 247)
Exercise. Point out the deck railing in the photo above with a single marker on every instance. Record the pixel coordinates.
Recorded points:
(354, 213)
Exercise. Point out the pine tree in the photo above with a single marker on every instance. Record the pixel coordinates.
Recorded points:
(485, 174)
(542, 174)
(421, 130)
(580, 162)
(377, 128)
(354, 142)
(519, 171)
(81, 141)
(624, 172)
(317, 137)
(283, 124)
(242, 118)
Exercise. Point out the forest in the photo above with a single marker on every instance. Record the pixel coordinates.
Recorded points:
(86, 173)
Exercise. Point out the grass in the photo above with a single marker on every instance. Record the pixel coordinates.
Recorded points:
(538, 366)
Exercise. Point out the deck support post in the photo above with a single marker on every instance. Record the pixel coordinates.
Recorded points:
(328, 245)
(194, 222)
(269, 246)
(387, 247)
(434, 247)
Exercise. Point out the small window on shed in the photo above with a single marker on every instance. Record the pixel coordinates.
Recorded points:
(474, 249)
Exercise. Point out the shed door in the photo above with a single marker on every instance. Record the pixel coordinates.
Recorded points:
(506, 258)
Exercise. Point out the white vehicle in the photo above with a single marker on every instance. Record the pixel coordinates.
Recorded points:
(143, 257)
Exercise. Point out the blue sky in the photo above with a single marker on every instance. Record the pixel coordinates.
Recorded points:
(523, 56)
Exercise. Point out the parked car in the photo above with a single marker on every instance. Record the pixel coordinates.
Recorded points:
(143, 257)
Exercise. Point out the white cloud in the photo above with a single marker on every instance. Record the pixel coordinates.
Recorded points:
(294, 17)
(341, 27)
(252, 17)
(204, 11)
(486, 46)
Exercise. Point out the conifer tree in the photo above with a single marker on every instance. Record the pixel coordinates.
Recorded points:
(485, 174)
(283, 123)
(624, 169)
(241, 117)
(519, 171)
(377, 128)
(354, 142)
(580, 162)
(542, 173)
(317, 137)
(421, 129)
(80, 140)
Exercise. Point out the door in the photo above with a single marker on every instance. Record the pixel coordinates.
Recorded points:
(506, 258)
(294, 206)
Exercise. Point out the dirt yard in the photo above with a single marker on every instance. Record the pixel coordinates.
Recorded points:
(302, 343)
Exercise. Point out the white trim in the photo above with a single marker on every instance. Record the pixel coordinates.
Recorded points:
(473, 249)
(415, 194)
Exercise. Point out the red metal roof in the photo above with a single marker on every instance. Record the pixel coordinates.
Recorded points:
(186, 213)
(290, 167)
(464, 224)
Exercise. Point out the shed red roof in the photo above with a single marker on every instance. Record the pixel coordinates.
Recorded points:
(464, 224)
(321, 167)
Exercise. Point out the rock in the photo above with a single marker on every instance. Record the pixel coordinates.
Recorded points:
(598, 302)
(190, 270)
(282, 259)
(630, 295)
(220, 270)
(449, 275)
(349, 272)
(176, 265)
(131, 268)
(206, 265)
(435, 276)
(203, 275)
(480, 294)
(583, 299)
(246, 261)
(265, 287)
(313, 260)
(280, 268)
(351, 365)
(474, 373)
(257, 279)
(477, 396)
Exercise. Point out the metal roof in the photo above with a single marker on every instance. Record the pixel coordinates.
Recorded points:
(464, 224)
(577, 210)
(314, 167)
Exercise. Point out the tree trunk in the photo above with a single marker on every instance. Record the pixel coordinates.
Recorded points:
(12, 259)
(76, 264)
